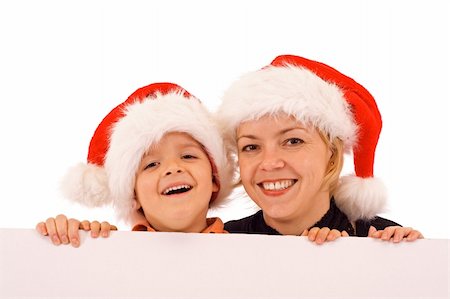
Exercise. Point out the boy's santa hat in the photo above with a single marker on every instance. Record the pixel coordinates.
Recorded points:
(316, 94)
(125, 134)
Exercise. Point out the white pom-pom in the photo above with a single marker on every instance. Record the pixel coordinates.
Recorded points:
(86, 184)
(361, 198)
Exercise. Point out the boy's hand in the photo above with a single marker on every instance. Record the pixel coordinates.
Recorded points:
(64, 231)
(322, 235)
(395, 234)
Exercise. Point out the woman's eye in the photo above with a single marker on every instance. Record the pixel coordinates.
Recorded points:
(151, 165)
(294, 141)
(249, 148)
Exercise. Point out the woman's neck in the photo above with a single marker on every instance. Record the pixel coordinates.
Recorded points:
(305, 219)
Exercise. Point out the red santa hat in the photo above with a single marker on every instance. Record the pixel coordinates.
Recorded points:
(319, 95)
(125, 134)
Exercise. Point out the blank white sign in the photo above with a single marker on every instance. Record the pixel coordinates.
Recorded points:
(177, 265)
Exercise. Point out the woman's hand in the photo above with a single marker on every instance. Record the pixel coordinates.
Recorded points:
(65, 231)
(395, 234)
(322, 235)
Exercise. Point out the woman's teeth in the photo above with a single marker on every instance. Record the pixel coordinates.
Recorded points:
(279, 185)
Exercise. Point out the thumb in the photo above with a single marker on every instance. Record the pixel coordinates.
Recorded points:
(372, 231)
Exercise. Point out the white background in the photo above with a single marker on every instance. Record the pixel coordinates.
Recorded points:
(64, 65)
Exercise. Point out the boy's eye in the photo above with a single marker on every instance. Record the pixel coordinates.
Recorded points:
(249, 148)
(151, 165)
(294, 141)
(188, 156)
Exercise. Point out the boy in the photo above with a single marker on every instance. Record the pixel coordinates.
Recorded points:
(159, 159)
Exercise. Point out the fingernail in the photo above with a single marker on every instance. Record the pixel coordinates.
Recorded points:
(94, 234)
(55, 240)
(64, 239)
(75, 242)
(104, 234)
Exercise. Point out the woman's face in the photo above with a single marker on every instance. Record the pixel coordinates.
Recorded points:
(282, 165)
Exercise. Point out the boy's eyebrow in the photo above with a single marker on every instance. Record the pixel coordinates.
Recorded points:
(284, 131)
(192, 144)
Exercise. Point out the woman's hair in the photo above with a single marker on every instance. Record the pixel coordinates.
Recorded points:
(336, 162)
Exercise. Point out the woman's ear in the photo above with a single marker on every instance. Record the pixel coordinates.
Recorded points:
(136, 204)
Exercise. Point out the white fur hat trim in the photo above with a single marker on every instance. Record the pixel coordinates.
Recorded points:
(360, 198)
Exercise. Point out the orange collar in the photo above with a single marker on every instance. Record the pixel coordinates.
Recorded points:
(215, 226)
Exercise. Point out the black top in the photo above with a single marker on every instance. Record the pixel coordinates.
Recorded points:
(333, 219)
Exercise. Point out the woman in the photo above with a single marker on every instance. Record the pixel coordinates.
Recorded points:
(289, 125)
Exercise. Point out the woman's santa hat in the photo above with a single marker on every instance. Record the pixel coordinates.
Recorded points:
(335, 104)
(126, 133)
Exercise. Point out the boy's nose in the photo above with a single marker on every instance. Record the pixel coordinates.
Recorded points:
(173, 168)
(169, 172)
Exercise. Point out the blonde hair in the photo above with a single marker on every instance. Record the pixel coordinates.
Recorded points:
(336, 162)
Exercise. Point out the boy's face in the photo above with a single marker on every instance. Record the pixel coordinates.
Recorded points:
(174, 184)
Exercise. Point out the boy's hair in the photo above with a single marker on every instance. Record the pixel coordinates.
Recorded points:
(125, 134)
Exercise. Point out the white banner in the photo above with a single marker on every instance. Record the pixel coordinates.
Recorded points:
(177, 265)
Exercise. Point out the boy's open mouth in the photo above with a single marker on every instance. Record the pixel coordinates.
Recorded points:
(176, 189)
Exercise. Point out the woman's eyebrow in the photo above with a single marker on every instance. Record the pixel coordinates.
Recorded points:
(247, 136)
(292, 129)
(281, 132)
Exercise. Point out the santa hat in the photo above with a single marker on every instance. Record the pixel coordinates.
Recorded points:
(125, 134)
(316, 94)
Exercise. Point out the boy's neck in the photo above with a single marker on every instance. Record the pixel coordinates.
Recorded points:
(196, 227)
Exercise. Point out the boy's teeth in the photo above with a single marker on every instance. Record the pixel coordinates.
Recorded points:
(168, 190)
(279, 185)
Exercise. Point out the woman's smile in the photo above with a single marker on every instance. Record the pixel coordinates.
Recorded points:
(276, 187)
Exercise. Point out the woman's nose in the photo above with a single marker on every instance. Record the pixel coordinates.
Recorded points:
(271, 160)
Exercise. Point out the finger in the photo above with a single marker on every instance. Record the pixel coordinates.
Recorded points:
(61, 228)
(372, 231)
(85, 225)
(105, 228)
(95, 229)
(74, 236)
(322, 235)
(333, 235)
(388, 232)
(113, 227)
(345, 234)
(313, 233)
(51, 229)
(400, 233)
(41, 228)
(304, 233)
(377, 234)
(414, 235)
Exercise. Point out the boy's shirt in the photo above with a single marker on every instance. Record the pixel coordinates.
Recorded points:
(215, 226)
